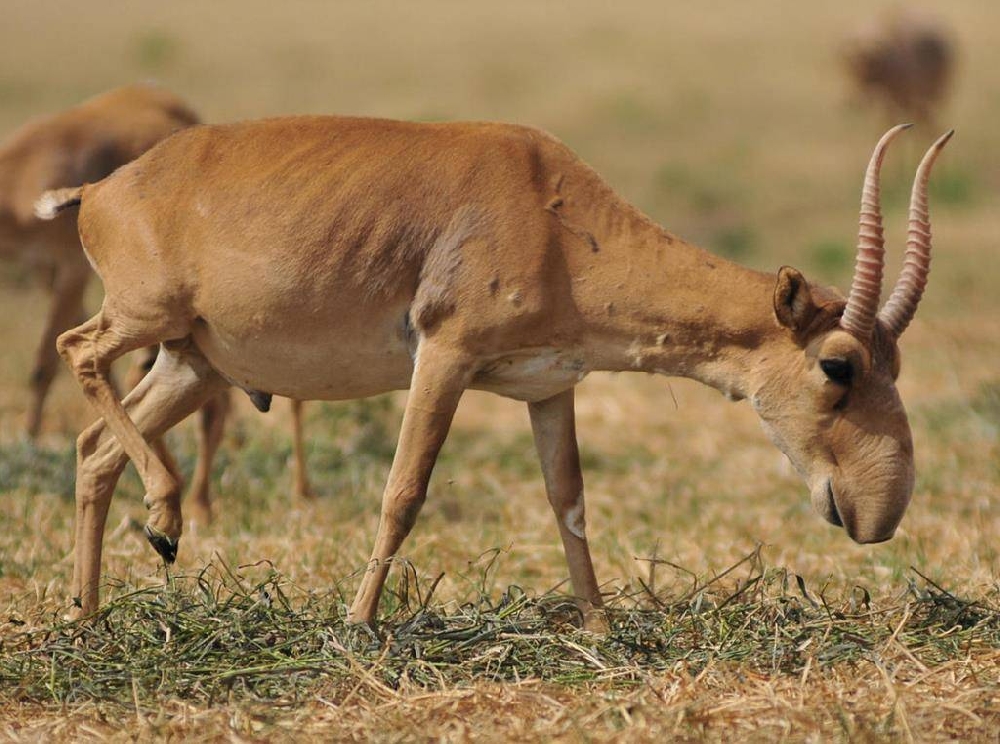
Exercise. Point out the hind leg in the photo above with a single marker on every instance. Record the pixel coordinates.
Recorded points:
(67, 308)
(141, 365)
(180, 382)
(89, 350)
(211, 425)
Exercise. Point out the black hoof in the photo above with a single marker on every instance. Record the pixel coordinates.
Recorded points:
(162, 544)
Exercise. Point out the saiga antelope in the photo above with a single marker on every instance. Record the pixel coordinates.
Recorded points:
(903, 61)
(326, 258)
(83, 144)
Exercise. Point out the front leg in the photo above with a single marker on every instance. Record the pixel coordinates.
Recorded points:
(554, 427)
(439, 378)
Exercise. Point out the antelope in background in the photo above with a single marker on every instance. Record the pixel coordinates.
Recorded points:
(332, 258)
(84, 144)
(903, 62)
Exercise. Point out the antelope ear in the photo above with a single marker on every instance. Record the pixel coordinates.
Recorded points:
(793, 303)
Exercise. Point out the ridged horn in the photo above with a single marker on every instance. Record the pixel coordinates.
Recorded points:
(862, 300)
(902, 303)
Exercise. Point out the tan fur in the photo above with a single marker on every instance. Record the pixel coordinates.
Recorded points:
(321, 257)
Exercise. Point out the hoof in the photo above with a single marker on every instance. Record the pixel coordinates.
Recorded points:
(31, 431)
(362, 634)
(75, 611)
(162, 544)
(303, 493)
(595, 620)
(356, 619)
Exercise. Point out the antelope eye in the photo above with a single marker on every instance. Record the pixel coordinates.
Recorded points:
(839, 371)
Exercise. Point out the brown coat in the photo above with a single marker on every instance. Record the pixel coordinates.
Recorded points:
(322, 257)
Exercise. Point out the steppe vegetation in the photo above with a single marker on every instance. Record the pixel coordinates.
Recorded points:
(735, 610)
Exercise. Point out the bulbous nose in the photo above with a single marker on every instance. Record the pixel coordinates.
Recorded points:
(866, 536)
(872, 515)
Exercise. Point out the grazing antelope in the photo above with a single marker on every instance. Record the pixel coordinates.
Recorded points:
(904, 62)
(326, 258)
(82, 144)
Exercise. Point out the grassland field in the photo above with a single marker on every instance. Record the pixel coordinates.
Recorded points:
(732, 125)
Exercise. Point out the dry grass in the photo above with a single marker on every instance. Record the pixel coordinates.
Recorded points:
(731, 128)
(265, 647)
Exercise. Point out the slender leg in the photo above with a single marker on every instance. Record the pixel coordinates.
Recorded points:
(141, 366)
(67, 307)
(553, 425)
(439, 377)
(90, 349)
(181, 381)
(302, 489)
(211, 425)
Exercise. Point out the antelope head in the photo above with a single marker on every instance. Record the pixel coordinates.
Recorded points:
(831, 404)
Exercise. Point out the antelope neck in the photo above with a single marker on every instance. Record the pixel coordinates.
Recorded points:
(675, 309)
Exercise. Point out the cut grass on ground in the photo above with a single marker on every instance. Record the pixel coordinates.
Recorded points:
(248, 636)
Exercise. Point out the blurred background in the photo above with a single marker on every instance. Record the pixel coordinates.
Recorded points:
(735, 125)
(743, 127)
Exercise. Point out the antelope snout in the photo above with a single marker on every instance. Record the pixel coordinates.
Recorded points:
(867, 517)
(865, 536)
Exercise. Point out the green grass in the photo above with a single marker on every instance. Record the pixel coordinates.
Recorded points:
(31, 470)
(831, 257)
(737, 242)
(955, 186)
(155, 51)
(249, 634)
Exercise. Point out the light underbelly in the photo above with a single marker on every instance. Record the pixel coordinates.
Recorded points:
(365, 354)
(333, 364)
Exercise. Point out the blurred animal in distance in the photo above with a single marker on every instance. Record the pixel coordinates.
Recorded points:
(903, 62)
(79, 145)
(85, 144)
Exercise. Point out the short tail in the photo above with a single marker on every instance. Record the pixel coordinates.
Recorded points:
(51, 203)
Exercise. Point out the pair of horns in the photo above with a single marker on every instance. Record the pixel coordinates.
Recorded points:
(862, 301)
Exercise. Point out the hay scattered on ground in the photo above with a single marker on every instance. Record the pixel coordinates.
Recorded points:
(249, 635)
